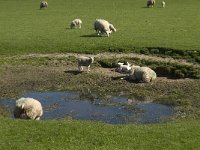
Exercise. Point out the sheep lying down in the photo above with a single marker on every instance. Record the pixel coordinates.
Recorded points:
(123, 68)
(85, 61)
(142, 74)
(28, 108)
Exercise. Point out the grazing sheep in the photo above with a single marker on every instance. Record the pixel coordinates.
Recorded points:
(150, 3)
(123, 68)
(163, 4)
(76, 23)
(28, 108)
(143, 74)
(43, 4)
(103, 27)
(85, 61)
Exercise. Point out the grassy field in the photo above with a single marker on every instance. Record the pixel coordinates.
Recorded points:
(73, 135)
(27, 29)
(24, 29)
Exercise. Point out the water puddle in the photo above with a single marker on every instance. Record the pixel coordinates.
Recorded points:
(109, 109)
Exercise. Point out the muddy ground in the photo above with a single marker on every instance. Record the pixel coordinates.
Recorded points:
(40, 72)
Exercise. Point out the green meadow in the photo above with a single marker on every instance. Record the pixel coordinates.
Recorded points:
(24, 28)
(81, 135)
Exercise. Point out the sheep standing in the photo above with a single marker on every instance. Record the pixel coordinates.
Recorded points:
(103, 27)
(144, 74)
(163, 4)
(76, 23)
(28, 108)
(150, 3)
(43, 4)
(123, 67)
(85, 61)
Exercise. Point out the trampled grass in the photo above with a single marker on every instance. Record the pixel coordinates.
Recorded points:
(24, 28)
(83, 135)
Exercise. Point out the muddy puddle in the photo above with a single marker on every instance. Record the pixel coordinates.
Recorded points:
(88, 106)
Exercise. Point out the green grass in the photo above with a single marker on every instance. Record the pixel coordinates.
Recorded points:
(26, 29)
(83, 135)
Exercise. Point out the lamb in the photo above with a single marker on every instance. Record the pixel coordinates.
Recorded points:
(163, 4)
(103, 27)
(143, 74)
(28, 108)
(123, 68)
(43, 4)
(76, 23)
(150, 3)
(85, 61)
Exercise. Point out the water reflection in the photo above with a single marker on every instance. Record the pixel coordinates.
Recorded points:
(90, 106)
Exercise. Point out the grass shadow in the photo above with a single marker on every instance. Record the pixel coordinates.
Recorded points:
(74, 72)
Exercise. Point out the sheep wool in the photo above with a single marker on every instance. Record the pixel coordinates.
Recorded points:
(123, 68)
(144, 74)
(85, 61)
(28, 108)
(103, 27)
(76, 23)
(43, 4)
(150, 3)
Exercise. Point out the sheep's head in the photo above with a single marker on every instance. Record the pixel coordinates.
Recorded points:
(20, 103)
(112, 28)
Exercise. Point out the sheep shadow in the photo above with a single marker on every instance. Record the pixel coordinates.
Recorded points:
(90, 35)
(145, 7)
(68, 28)
(126, 79)
(74, 72)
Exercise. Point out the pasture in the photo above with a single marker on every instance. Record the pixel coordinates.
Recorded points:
(38, 52)
(27, 29)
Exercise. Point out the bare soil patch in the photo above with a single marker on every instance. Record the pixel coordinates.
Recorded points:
(54, 72)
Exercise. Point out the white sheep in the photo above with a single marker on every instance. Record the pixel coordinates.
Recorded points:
(28, 108)
(123, 68)
(163, 4)
(150, 3)
(103, 27)
(43, 4)
(76, 23)
(85, 61)
(143, 74)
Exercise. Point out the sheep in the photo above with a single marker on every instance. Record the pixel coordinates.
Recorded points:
(102, 26)
(28, 108)
(163, 4)
(150, 3)
(143, 74)
(123, 68)
(76, 23)
(43, 4)
(85, 61)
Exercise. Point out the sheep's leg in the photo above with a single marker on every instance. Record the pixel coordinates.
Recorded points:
(80, 68)
(88, 68)
(98, 32)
